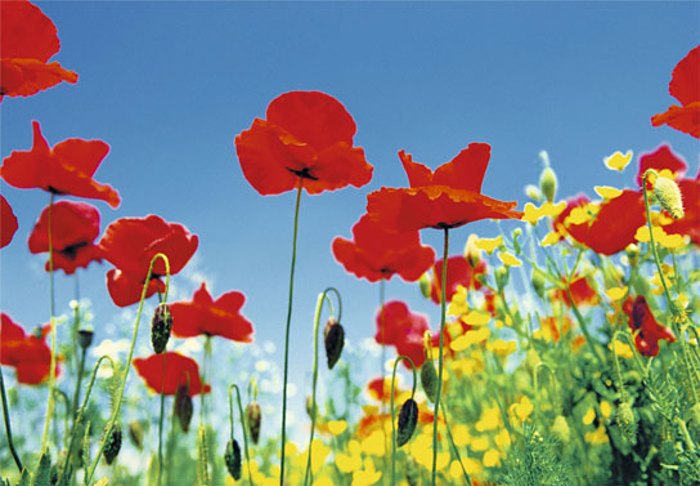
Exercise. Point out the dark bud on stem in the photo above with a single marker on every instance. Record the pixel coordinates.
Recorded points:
(429, 379)
(183, 407)
(85, 338)
(334, 340)
(408, 418)
(113, 445)
(253, 416)
(232, 457)
(161, 324)
(136, 434)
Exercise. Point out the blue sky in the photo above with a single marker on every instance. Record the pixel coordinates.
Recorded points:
(169, 84)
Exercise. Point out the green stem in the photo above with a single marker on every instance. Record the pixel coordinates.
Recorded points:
(287, 329)
(76, 319)
(81, 370)
(242, 417)
(454, 446)
(436, 410)
(382, 409)
(67, 409)
(308, 474)
(160, 420)
(8, 426)
(52, 368)
(393, 411)
(584, 328)
(117, 406)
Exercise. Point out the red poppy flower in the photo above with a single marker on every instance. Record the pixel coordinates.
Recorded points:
(179, 371)
(611, 229)
(130, 244)
(28, 354)
(648, 332)
(75, 227)
(581, 291)
(459, 272)
(447, 198)
(220, 317)
(307, 137)
(403, 329)
(377, 254)
(29, 39)
(660, 159)
(67, 168)
(380, 389)
(8, 222)
(685, 87)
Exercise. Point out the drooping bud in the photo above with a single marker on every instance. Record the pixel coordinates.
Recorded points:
(85, 338)
(560, 429)
(408, 418)
(113, 444)
(669, 196)
(425, 283)
(183, 407)
(161, 324)
(538, 282)
(253, 417)
(136, 434)
(232, 458)
(429, 379)
(334, 340)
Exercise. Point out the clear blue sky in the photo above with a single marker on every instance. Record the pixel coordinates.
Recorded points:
(169, 84)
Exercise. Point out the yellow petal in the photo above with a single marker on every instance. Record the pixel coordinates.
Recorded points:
(588, 417)
(509, 260)
(489, 244)
(618, 161)
(476, 318)
(337, 427)
(616, 293)
(551, 238)
(607, 192)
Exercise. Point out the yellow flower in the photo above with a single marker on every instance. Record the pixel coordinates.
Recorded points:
(490, 419)
(319, 453)
(489, 244)
(476, 318)
(621, 349)
(582, 214)
(660, 237)
(532, 214)
(337, 427)
(606, 409)
(618, 161)
(551, 238)
(598, 436)
(502, 348)
(374, 444)
(479, 444)
(509, 260)
(588, 416)
(503, 439)
(523, 409)
(470, 337)
(607, 192)
(492, 458)
(458, 303)
(616, 293)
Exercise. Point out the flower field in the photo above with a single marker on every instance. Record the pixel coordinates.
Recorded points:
(566, 349)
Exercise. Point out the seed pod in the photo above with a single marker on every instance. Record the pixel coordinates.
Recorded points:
(669, 196)
(136, 434)
(85, 338)
(429, 379)
(113, 445)
(161, 324)
(183, 407)
(232, 458)
(334, 340)
(253, 417)
(548, 183)
(408, 418)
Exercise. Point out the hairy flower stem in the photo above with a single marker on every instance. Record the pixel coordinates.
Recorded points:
(382, 409)
(8, 426)
(393, 410)
(241, 415)
(287, 329)
(81, 370)
(308, 474)
(52, 307)
(160, 421)
(117, 406)
(436, 410)
(692, 374)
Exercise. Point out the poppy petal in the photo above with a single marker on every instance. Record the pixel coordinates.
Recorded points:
(164, 373)
(685, 80)
(126, 290)
(8, 222)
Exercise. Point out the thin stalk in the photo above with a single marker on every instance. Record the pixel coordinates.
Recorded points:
(287, 329)
(436, 410)
(52, 366)
(117, 406)
(382, 323)
(8, 425)
(160, 420)
(308, 474)
(67, 410)
(584, 328)
(76, 319)
(454, 446)
(393, 411)
(81, 370)
(242, 417)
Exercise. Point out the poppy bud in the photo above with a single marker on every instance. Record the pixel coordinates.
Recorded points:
(253, 417)
(183, 407)
(626, 421)
(548, 183)
(136, 434)
(408, 418)
(232, 458)
(669, 196)
(429, 379)
(533, 192)
(334, 340)
(502, 276)
(113, 445)
(538, 282)
(425, 283)
(85, 338)
(560, 429)
(161, 324)
(632, 252)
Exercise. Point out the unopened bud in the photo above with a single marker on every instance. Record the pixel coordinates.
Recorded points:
(161, 324)
(471, 252)
(232, 458)
(533, 192)
(85, 338)
(669, 196)
(538, 282)
(408, 418)
(548, 183)
(425, 283)
(113, 444)
(502, 275)
(560, 429)
(334, 340)
(253, 417)
(183, 407)
(632, 252)
(136, 434)
(429, 379)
